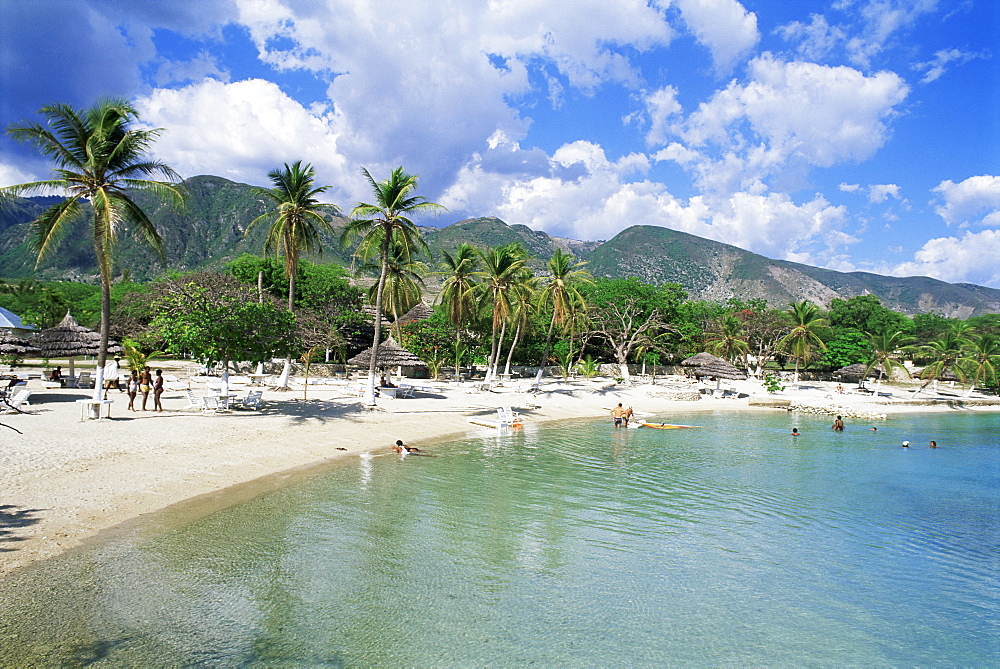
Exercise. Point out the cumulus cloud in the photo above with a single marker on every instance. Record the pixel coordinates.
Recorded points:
(882, 192)
(602, 197)
(849, 188)
(975, 200)
(813, 40)
(242, 130)
(725, 27)
(789, 114)
(970, 258)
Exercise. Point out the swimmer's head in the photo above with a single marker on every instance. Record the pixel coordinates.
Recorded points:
(906, 444)
(399, 442)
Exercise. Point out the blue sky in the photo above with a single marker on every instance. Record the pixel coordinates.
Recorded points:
(849, 134)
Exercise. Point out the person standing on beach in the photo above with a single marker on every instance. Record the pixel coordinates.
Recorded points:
(145, 385)
(618, 413)
(158, 390)
(132, 387)
(838, 425)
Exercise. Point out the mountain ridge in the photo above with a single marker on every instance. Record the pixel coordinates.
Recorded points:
(212, 231)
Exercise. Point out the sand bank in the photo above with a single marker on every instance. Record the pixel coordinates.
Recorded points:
(65, 479)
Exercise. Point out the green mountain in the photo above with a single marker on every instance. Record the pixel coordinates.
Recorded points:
(210, 232)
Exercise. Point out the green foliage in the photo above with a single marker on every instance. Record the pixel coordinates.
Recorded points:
(215, 321)
(846, 347)
(866, 313)
(323, 288)
(772, 383)
(44, 303)
(588, 367)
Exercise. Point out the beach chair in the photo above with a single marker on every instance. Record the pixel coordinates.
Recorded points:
(253, 401)
(508, 416)
(19, 399)
(194, 402)
(211, 403)
(85, 380)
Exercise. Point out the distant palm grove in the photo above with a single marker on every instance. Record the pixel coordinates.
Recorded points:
(496, 307)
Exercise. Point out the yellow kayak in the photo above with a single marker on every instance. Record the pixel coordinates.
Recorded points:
(667, 426)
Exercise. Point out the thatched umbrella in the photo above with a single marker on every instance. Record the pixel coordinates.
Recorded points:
(390, 354)
(858, 371)
(11, 345)
(721, 370)
(701, 359)
(69, 339)
(421, 312)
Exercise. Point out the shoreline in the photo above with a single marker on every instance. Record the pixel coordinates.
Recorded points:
(65, 480)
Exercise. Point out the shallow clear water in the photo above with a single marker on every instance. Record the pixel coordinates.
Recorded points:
(573, 544)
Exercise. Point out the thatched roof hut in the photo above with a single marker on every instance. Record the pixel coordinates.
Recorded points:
(11, 345)
(706, 364)
(858, 371)
(390, 354)
(421, 312)
(69, 339)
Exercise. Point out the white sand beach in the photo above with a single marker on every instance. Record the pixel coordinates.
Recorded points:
(64, 479)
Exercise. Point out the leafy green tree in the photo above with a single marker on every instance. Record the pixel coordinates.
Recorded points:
(562, 290)
(985, 323)
(381, 223)
(627, 313)
(866, 313)
(847, 347)
(296, 218)
(802, 340)
(100, 163)
(928, 327)
(215, 318)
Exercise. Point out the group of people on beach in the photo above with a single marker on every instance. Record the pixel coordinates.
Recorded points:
(145, 382)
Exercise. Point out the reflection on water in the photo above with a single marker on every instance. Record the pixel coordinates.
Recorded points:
(570, 545)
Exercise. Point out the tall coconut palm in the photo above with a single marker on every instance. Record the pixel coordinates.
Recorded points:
(458, 290)
(946, 351)
(387, 220)
(887, 347)
(296, 217)
(981, 360)
(802, 339)
(99, 161)
(726, 341)
(503, 269)
(562, 290)
(403, 284)
(525, 295)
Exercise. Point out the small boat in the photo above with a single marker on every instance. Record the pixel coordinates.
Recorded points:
(666, 426)
(493, 423)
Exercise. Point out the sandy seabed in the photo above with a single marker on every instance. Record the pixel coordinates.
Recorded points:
(64, 479)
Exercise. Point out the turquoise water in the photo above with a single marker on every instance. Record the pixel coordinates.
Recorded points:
(565, 545)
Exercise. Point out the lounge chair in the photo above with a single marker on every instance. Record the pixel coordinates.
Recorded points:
(85, 380)
(194, 402)
(19, 399)
(212, 403)
(253, 400)
(508, 416)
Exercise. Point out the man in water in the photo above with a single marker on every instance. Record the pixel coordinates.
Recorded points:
(838, 425)
(933, 444)
(795, 432)
(628, 416)
(618, 413)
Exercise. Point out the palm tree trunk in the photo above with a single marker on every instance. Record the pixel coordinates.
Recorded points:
(369, 398)
(510, 354)
(458, 342)
(102, 353)
(491, 370)
(545, 351)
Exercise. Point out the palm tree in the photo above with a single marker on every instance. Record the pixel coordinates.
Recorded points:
(982, 358)
(297, 217)
(99, 160)
(524, 295)
(458, 290)
(504, 269)
(886, 349)
(563, 290)
(727, 340)
(802, 338)
(403, 283)
(946, 351)
(382, 222)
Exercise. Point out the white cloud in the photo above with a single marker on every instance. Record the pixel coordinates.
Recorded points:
(881, 20)
(11, 175)
(814, 40)
(849, 188)
(789, 115)
(967, 201)
(882, 192)
(661, 106)
(588, 196)
(725, 27)
(971, 258)
(937, 66)
(242, 130)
